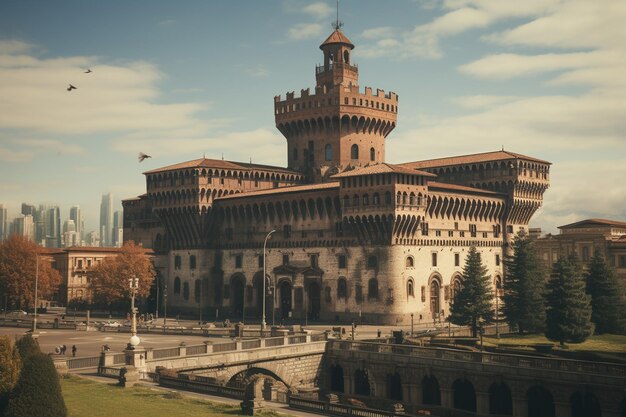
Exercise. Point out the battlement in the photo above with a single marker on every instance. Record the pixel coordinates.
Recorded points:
(349, 100)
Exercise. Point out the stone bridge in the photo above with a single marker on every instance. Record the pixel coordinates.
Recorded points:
(460, 383)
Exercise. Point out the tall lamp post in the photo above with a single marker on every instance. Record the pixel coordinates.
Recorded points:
(36, 287)
(263, 324)
(134, 285)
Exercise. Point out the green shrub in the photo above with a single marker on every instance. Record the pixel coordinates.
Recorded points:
(38, 392)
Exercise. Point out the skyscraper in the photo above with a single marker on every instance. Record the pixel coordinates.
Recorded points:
(106, 219)
(28, 209)
(4, 223)
(117, 227)
(77, 215)
(24, 226)
(53, 227)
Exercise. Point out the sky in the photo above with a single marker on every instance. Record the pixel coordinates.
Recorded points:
(179, 80)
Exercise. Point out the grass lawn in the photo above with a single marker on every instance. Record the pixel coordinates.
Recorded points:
(598, 343)
(86, 398)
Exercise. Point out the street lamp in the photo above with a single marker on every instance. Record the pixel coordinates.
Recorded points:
(134, 285)
(263, 324)
(36, 287)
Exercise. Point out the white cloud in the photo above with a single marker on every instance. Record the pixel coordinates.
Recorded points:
(482, 101)
(258, 71)
(8, 155)
(302, 31)
(318, 10)
(377, 33)
(12, 46)
(49, 145)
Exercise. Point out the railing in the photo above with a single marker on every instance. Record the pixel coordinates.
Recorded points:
(296, 339)
(196, 350)
(87, 362)
(119, 359)
(109, 372)
(275, 341)
(202, 387)
(225, 347)
(251, 344)
(519, 361)
(165, 353)
(321, 68)
(327, 408)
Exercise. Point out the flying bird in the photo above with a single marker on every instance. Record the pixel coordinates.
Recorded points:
(143, 156)
(71, 87)
(88, 71)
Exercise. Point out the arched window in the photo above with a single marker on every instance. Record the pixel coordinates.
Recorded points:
(328, 152)
(456, 286)
(376, 199)
(355, 201)
(399, 198)
(342, 288)
(372, 289)
(410, 262)
(354, 151)
(197, 290)
(410, 288)
(419, 199)
(372, 154)
(177, 262)
(177, 286)
(186, 291)
(388, 197)
(366, 200)
(346, 56)
(404, 198)
(192, 262)
(434, 297)
(412, 199)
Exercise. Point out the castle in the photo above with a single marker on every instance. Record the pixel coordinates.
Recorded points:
(341, 234)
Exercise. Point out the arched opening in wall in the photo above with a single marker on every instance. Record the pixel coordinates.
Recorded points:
(372, 154)
(346, 56)
(540, 402)
(410, 288)
(394, 387)
(354, 152)
(284, 290)
(259, 383)
(361, 382)
(328, 152)
(342, 288)
(410, 262)
(500, 400)
(336, 378)
(176, 286)
(237, 286)
(456, 286)
(186, 291)
(313, 293)
(257, 288)
(372, 289)
(435, 297)
(585, 405)
(430, 390)
(464, 396)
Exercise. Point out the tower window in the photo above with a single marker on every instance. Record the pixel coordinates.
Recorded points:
(346, 57)
(372, 154)
(354, 151)
(328, 152)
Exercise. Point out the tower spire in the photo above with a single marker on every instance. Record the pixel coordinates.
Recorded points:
(337, 24)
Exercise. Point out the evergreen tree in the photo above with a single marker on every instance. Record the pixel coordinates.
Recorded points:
(524, 287)
(27, 346)
(474, 300)
(568, 316)
(38, 391)
(606, 295)
(9, 370)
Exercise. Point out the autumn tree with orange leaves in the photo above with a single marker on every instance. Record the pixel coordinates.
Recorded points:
(18, 267)
(109, 279)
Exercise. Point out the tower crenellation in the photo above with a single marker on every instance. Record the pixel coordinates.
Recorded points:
(340, 126)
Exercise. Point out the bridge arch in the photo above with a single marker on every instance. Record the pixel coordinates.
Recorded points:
(362, 383)
(431, 394)
(585, 404)
(464, 395)
(336, 378)
(500, 399)
(255, 379)
(394, 386)
(540, 402)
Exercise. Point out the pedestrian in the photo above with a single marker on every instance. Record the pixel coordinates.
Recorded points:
(63, 349)
(74, 349)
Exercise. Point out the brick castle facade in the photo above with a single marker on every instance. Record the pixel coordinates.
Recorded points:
(353, 236)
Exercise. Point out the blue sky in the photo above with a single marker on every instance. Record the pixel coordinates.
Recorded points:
(181, 79)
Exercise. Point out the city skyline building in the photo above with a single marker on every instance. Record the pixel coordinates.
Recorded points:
(118, 224)
(4, 222)
(106, 219)
(77, 216)
(53, 227)
(28, 209)
(24, 226)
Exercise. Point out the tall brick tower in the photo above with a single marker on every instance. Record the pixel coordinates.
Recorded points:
(338, 127)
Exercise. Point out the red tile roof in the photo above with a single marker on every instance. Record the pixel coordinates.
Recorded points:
(593, 222)
(220, 164)
(469, 159)
(337, 37)
(282, 190)
(382, 168)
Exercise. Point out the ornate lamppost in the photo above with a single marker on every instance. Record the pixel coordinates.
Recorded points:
(134, 286)
(263, 324)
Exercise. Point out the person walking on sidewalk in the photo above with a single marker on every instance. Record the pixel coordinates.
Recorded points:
(74, 349)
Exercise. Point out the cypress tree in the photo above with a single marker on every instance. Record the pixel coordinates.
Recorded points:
(38, 391)
(9, 370)
(568, 316)
(606, 295)
(474, 300)
(524, 287)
